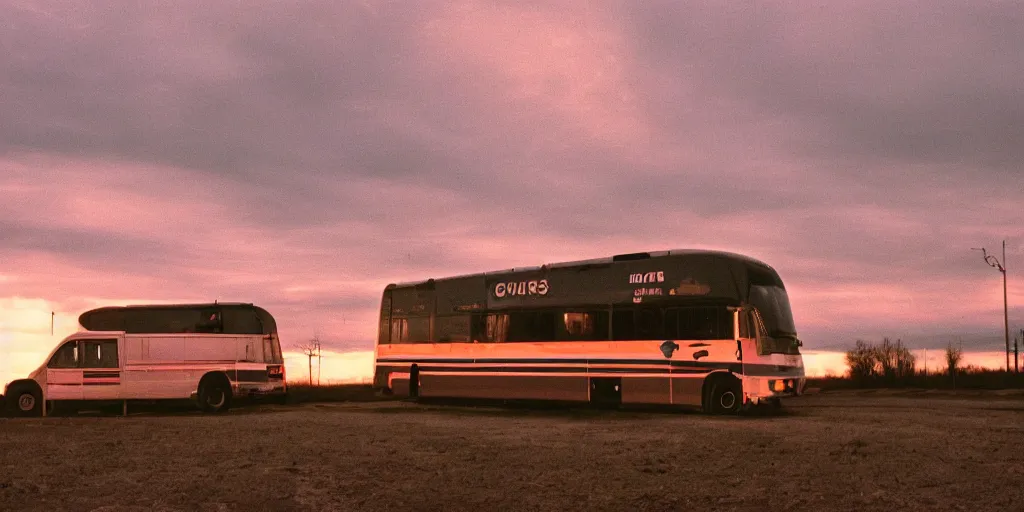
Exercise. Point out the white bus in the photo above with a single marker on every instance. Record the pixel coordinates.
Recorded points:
(211, 354)
(703, 329)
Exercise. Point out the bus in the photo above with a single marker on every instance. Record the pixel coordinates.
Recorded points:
(701, 329)
(211, 354)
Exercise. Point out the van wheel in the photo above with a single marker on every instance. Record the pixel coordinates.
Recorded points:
(214, 396)
(725, 396)
(25, 401)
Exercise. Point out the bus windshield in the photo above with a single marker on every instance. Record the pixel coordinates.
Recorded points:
(773, 303)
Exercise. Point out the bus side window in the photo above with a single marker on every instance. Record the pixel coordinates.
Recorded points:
(622, 325)
(419, 329)
(584, 326)
(497, 328)
(704, 323)
(671, 331)
(399, 330)
(531, 326)
(648, 324)
(452, 328)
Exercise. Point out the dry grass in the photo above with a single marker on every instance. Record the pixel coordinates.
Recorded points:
(832, 451)
(970, 377)
(299, 393)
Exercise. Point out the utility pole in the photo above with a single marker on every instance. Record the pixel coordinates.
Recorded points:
(1006, 310)
(51, 323)
(993, 262)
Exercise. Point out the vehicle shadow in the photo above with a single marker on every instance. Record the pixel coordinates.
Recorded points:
(568, 410)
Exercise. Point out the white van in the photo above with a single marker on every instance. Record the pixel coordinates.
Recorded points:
(208, 353)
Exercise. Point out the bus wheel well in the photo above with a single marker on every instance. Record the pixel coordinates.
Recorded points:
(210, 387)
(715, 386)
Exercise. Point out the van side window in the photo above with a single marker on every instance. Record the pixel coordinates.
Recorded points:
(100, 353)
(65, 357)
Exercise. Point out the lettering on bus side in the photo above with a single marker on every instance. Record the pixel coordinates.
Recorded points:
(647, 277)
(519, 288)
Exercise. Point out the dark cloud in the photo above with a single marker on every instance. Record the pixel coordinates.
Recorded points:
(304, 156)
(868, 83)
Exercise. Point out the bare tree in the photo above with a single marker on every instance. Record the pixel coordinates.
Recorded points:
(954, 356)
(311, 349)
(889, 363)
(862, 361)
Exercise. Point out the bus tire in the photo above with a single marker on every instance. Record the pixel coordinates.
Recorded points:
(214, 393)
(724, 395)
(25, 400)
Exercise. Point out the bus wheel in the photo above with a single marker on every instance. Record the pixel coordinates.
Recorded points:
(214, 395)
(25, 401)
(725, 396)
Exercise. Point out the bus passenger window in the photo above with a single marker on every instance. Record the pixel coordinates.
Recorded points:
(452, 329)
(648, 324)
(589, 326)
(399, 330)
(419, 329)
(531, 326)
(711, 323)
(497, 328)
(671, 330)
(622, 325)
(688, 330)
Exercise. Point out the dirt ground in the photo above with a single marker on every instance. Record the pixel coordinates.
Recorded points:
(835, 451)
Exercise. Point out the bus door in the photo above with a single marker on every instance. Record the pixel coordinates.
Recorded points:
(703, 339)
(64, 373)
(645, 366)
(101, 369)
(752, 337)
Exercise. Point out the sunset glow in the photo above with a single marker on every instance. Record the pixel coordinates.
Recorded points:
(303, 157)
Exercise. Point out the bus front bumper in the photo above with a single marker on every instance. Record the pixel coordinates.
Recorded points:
(763, 389)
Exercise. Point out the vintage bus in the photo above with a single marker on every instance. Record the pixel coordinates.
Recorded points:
(211, 354)
(704, 329)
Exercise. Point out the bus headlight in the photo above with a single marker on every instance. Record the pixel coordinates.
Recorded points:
(777, 385)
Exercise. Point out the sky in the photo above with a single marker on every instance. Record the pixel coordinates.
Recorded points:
(303, 155)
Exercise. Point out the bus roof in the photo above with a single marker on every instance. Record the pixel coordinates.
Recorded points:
(677, 276)
(595, 262)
